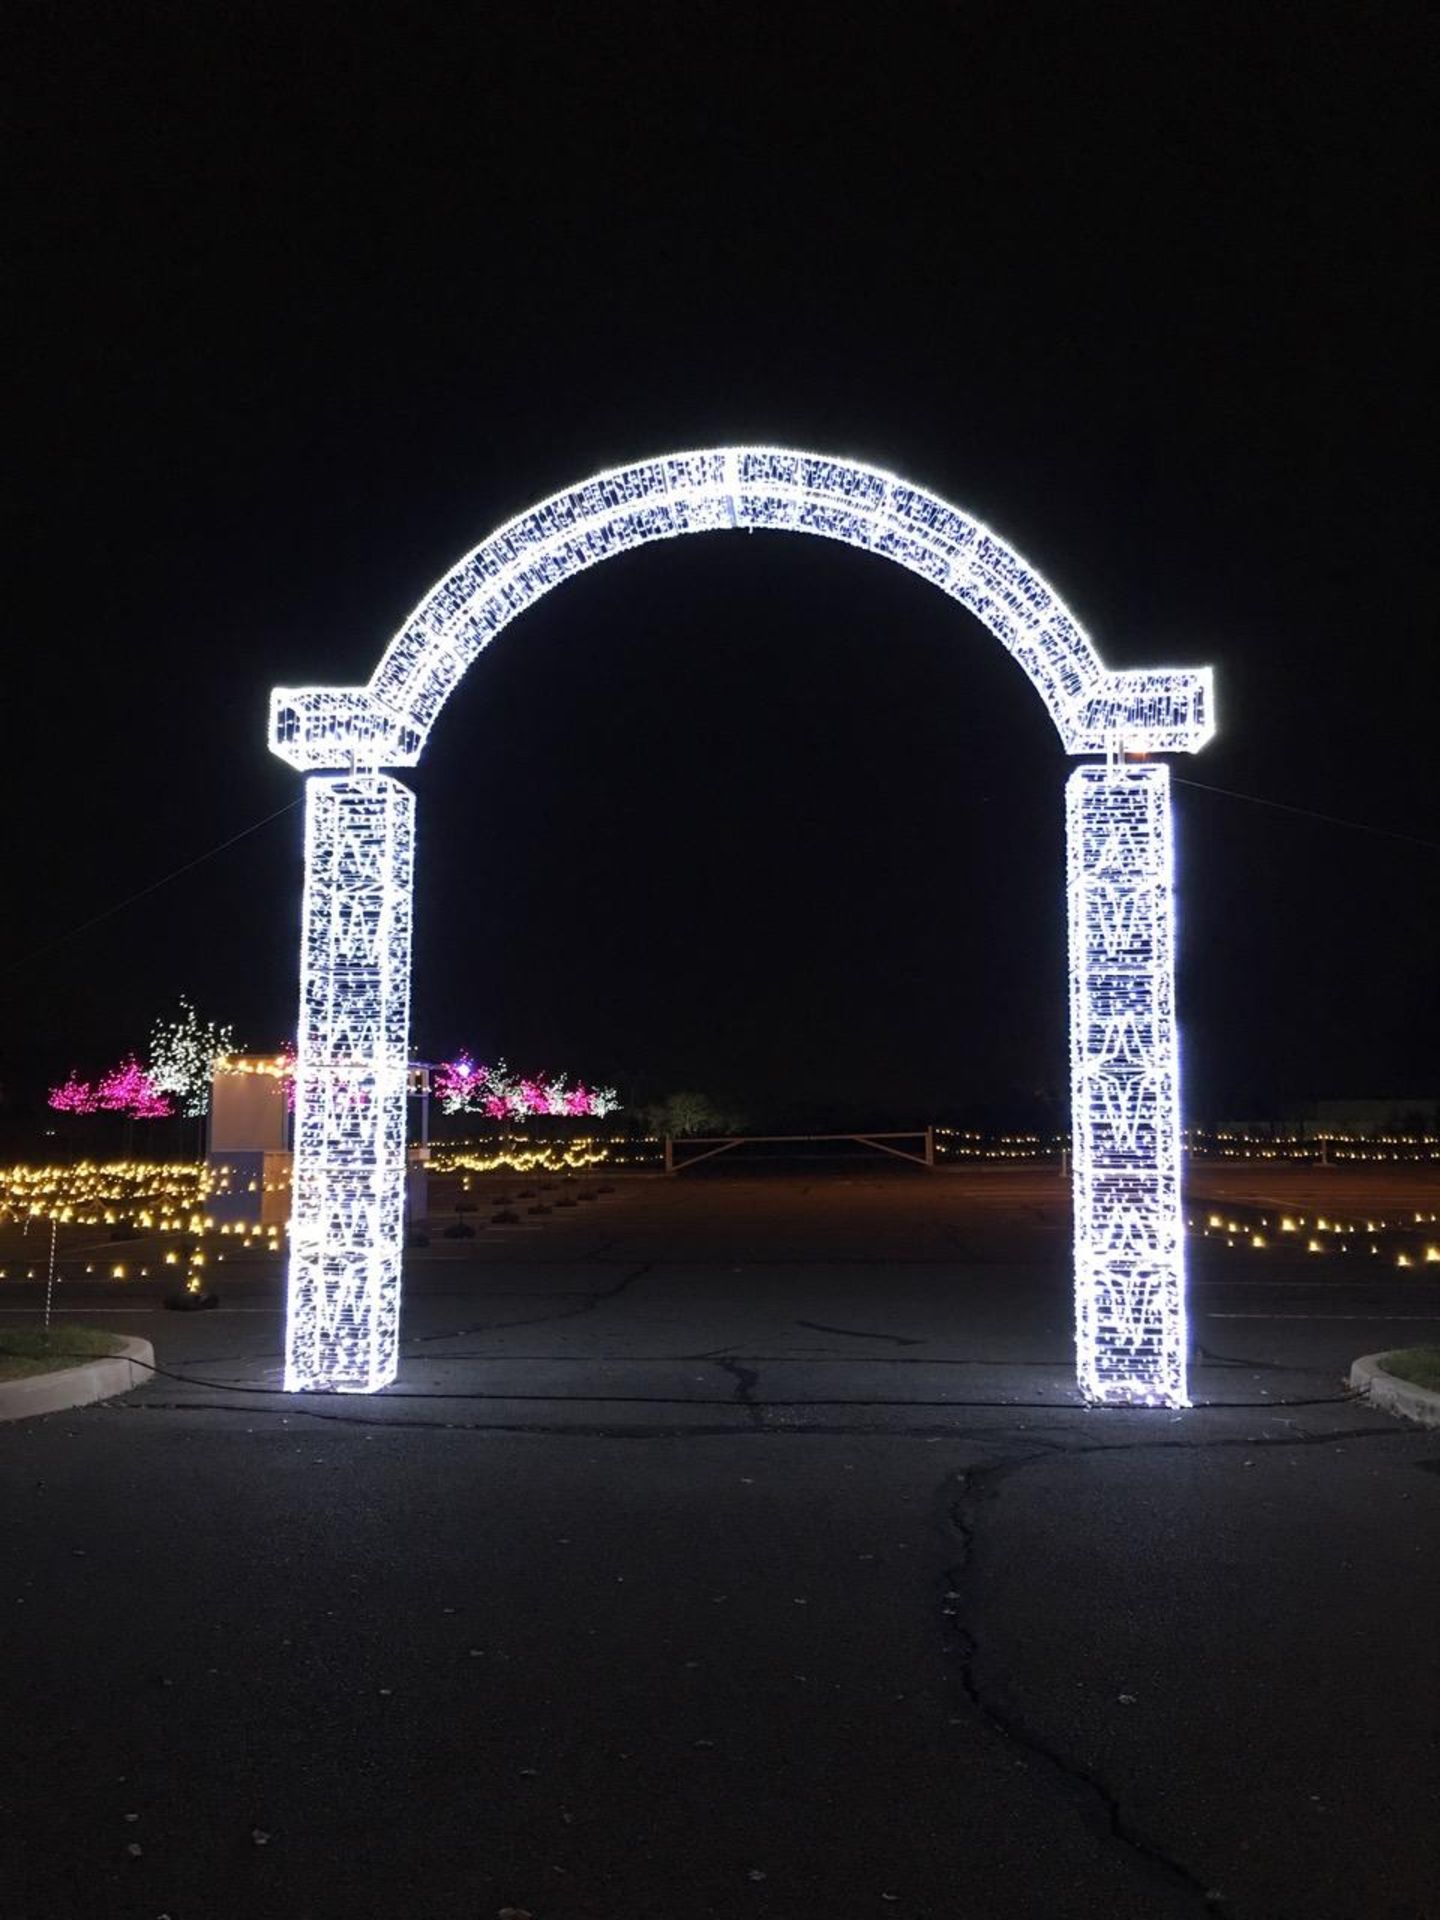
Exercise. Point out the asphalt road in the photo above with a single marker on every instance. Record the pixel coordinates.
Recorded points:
(732, 1549)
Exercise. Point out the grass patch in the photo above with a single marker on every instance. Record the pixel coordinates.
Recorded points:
(1419, 1365)
(27, 1350)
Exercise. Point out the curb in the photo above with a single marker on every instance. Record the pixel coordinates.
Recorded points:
(99, 1379)
(1393, 1395)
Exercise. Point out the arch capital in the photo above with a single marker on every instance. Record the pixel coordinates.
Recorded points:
(1165, 710)
(329, 729)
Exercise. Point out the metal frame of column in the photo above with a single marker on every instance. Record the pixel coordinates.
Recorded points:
(348, 1219)
(1130, 1314)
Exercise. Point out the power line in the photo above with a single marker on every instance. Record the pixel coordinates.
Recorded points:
(143, 893)
(108, 913)
(1309, 813)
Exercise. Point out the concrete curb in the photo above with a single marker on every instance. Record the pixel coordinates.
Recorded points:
(1393, 1395)
(99, 1379)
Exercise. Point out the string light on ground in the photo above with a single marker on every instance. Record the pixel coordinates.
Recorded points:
(572, 1157)
(133, 1199)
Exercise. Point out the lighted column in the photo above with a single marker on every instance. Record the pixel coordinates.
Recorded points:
(348, 1212)
(1125, 1087)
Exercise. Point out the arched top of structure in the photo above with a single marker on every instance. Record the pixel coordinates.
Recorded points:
(386, 722)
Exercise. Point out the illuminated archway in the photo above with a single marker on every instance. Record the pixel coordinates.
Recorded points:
(347, 1227)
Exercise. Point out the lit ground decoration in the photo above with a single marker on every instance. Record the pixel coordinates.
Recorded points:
(347, 1228)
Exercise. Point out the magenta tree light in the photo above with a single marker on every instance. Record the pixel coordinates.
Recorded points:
(126, 1089)
(459, 1084)
(74, 1096)
(465, 1085)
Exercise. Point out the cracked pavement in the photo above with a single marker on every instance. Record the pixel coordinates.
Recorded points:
(734, 1548)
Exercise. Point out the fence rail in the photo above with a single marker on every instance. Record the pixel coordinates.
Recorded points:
(716, 1144)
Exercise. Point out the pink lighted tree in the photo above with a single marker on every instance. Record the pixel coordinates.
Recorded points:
(126, 1089)
(74, 1096)
(455, 1083)
(531, 1097)
(465, 1085)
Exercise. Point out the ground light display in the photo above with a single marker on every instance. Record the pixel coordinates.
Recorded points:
(165, 1208)
(347, 1228)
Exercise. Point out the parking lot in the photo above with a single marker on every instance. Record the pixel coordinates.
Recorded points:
(737, 1546)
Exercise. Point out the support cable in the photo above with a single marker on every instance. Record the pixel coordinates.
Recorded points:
(1309, 813)
(108, 913)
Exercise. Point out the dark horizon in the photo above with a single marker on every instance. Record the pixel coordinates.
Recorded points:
(308, 312)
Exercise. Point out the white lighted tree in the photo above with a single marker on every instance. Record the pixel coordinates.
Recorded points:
(183, 1052)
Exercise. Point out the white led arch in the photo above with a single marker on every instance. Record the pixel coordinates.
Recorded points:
(347, 1227)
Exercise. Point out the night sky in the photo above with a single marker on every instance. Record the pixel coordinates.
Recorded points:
(309, 300)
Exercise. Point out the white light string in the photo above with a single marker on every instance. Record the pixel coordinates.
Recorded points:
(348, 1225)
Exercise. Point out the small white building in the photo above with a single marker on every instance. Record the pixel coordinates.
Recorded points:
(250, 1138)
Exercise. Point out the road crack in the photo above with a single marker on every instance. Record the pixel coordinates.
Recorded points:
(746, 1380)
(859, 1333)
(978, 1486)
(587, 1302)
